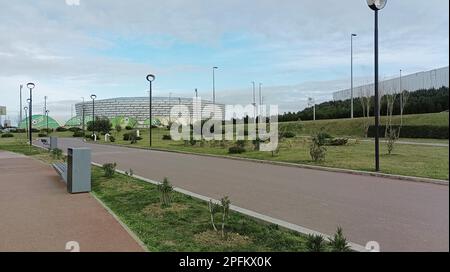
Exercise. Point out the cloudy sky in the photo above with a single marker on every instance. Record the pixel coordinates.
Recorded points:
(296, 48)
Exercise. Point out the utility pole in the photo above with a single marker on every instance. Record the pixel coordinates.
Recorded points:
(20, 102)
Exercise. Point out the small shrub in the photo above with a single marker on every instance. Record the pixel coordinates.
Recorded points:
(18, 130)
(315, 243)
(7, 135)
(47, 130)
(118, 128)
(78, 134)
(42, 135)
(236, 150)
(128, 128)
(240, 143)
(339, 243)
(391, 139)
(167, 137)
(112, 139)
(337, 141)
(34, 130)
(109, 169)
(56, 153)
(225, 202)
(317, 149)
(61, 129)
(165, 189)
(72, 129)
(287, 134)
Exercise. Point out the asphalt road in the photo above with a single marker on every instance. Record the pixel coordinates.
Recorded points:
(399, 215)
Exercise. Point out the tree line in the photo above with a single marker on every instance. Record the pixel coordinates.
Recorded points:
(420, 101)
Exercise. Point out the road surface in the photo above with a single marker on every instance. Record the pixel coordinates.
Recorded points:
(399, 215)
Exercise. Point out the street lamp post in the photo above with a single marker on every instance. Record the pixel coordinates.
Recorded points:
(351, 72)
(376, 5)
(254, 101)
(150, 79)
(46, 117)
(25, 109)
(20, 102)
(93, 97)
(30, 112)
(82, 116)
(214, 83)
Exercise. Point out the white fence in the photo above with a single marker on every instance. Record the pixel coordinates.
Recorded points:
(423, 80)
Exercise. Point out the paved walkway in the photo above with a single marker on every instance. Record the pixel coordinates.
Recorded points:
(400, 215)
(37, 213)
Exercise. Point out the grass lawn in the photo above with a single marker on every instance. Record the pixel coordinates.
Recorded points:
(185, 225)
(353, 127)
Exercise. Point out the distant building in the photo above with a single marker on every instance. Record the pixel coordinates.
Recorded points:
(136, 109)
(436, 78)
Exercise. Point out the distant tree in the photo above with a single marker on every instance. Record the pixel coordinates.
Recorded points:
(101, 124)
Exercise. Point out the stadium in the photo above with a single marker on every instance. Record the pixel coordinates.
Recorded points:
(134, 111)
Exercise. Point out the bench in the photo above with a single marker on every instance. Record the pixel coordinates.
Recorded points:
(61, 168)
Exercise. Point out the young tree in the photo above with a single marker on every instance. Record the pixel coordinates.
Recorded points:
(365, 99)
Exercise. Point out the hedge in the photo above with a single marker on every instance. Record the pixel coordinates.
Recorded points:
(430, 132)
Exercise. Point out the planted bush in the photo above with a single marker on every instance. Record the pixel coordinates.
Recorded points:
(7, 135)
(317, 149)
(287, 134)
(339, 243)
(112, 139)
(109, 169)
(72, 129)
(337, 141)
(165, 189)
(42, 135)
(167, 137)
(128, 128)
(61, 129)
(78, 134)
(56, 153)
(425, 131)
(236, 150)
(315, 243)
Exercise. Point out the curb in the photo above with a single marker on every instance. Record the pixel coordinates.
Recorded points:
(262, 217)
(298, 165)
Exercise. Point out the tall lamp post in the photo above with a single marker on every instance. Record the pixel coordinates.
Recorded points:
(20, 102)
(150, 79)
(93, 97)
(30, 86)
(46, 117)
(254, 101)
(82, 116)
(351, 71)
(25, 109)
(376, 5)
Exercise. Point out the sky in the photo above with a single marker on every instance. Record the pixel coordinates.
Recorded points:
(295, 48)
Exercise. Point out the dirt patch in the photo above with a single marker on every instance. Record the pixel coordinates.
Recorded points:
(211, 237)
(155, 209)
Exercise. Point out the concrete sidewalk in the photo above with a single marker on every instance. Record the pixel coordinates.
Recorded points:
(37, 214)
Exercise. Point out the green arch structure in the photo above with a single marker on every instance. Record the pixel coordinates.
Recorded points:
(76, 121)
(123, 121)
(155, 122)
(39, 121)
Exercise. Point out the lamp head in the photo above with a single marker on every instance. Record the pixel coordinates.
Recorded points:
(150, 77)
(354, 35)
(215, 67)
(376, 4)
(93, 96)
(28, 101)
(30, 85)
(25, 108)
